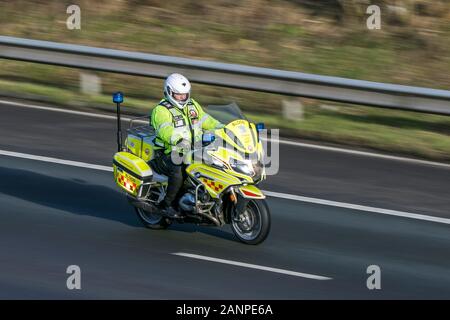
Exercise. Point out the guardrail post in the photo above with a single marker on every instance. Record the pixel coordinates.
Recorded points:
(292, 109)
(90, 83)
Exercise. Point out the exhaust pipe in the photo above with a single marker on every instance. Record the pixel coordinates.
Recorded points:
(211, 218)
(142, 204)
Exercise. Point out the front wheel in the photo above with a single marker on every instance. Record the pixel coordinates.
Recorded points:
(252, 226)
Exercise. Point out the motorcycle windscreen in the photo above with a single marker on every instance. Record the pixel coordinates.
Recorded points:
(225, 113)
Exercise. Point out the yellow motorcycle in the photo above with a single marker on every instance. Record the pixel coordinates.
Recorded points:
(221, 189)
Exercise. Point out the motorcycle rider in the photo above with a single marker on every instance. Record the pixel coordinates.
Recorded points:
(179, 122)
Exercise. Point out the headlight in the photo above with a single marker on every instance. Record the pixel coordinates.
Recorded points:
(258, 168)
(217, 162)
(244, 167)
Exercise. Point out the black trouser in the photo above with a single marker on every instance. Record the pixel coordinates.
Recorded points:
(164, 165)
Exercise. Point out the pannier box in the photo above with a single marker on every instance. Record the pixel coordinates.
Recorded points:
(140, 141)
(132, 173)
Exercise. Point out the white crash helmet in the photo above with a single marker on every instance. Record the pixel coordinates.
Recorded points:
(177, 84)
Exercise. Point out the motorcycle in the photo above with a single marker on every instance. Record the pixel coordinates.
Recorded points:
(221, 189)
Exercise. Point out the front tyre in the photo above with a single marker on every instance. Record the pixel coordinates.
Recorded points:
(151, 220)
(252, 226)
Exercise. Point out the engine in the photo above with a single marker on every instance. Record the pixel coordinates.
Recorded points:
(187, 202)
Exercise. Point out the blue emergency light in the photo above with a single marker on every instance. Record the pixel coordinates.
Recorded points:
(260, 126)
(118, 97)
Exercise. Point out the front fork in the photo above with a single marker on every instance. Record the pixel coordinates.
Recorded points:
(238, 200)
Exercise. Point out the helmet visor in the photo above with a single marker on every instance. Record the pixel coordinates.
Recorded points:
(180, 97)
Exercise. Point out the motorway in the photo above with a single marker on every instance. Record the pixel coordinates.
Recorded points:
(55, 215)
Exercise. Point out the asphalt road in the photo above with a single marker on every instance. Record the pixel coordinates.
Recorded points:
(55, 215)
(309, 172)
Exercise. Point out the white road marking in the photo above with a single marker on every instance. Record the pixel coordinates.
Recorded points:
(281, 141)
(55, 160)
(80, 113)
(357, 207)
(252, 266)
(268, 193)
(364, 153)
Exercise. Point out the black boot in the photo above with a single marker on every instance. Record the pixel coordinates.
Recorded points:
(168, 211)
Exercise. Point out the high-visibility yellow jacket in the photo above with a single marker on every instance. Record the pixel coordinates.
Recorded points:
(173, 125)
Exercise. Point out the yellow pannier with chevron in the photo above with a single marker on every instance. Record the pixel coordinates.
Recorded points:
(132, 174)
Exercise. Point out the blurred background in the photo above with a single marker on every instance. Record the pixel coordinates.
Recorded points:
(327, 37)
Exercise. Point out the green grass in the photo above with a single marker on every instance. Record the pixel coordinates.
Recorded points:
(276, 34)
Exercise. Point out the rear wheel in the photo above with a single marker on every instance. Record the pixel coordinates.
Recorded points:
(252, 226)
(152, 220)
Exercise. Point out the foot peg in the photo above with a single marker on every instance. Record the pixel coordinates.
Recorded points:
(169, 212)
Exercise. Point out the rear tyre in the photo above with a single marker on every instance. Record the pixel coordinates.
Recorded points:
(152, 220)
(252, 226)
